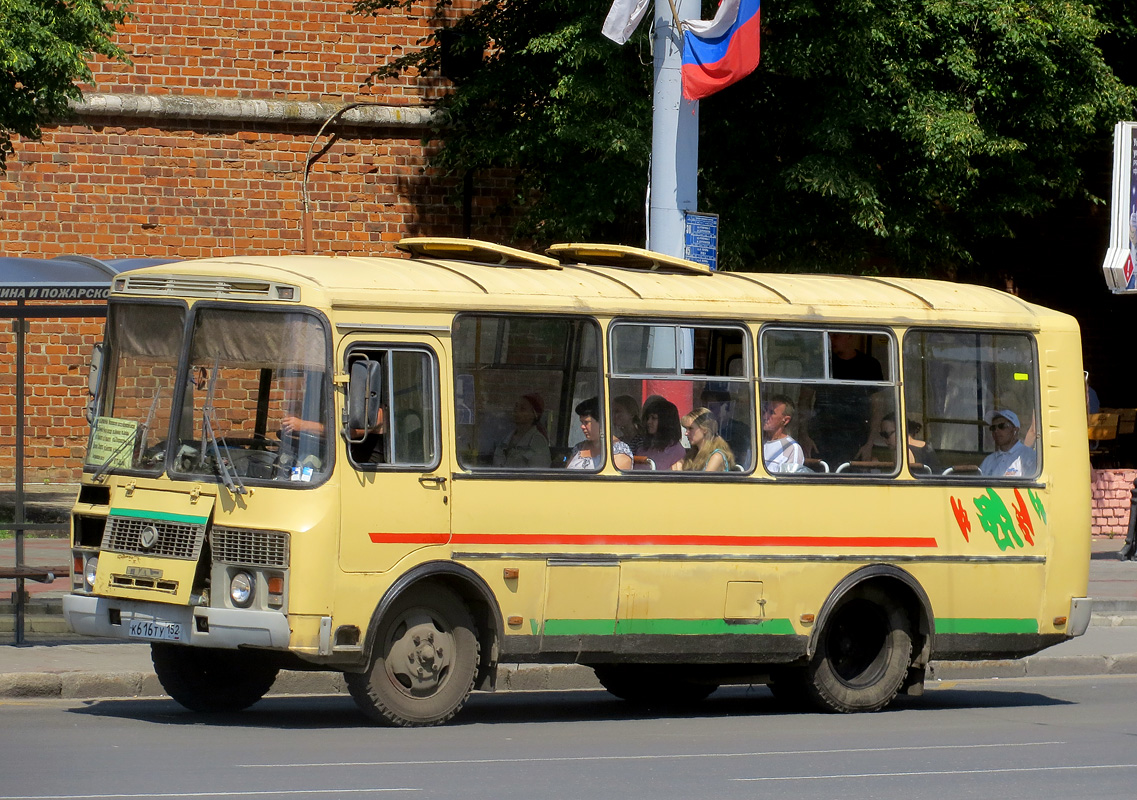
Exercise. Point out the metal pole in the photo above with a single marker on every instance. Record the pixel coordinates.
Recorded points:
(18, 518)
(675, 136)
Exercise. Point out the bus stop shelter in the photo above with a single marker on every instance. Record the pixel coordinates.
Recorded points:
(69, 287)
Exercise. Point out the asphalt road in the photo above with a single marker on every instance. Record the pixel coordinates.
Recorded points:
(1005, 739)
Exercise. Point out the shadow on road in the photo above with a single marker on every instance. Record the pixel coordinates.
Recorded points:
(338, 711)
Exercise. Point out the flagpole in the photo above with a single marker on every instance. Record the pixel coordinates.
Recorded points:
(675, 134)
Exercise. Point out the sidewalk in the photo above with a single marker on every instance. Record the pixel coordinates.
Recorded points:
(63, 665)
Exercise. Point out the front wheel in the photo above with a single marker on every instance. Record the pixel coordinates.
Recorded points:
(423, 663)
(211, 681)
(862, 655)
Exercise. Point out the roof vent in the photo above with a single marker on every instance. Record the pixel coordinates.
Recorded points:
(474, 250)
(618, 255)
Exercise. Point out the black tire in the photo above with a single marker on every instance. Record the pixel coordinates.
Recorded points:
(423, 661)
(211, 681)
(647, 685)
(862, 654)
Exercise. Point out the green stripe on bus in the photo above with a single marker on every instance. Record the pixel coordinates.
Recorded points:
(668, 627)
(162, 515)
(995, 625)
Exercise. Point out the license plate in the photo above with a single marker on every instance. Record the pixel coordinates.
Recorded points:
(155, 630)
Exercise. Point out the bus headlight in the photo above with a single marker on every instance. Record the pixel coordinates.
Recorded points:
(89, 570)
(241, 589)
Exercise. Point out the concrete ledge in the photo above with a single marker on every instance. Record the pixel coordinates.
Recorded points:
(292, 682)
(31, 684)
(959, 670)
(177, 107)
(545, 677)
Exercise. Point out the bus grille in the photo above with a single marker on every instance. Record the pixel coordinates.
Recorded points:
(175, 539)
(249, 548)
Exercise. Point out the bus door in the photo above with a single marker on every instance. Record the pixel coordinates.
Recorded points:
(393, 470)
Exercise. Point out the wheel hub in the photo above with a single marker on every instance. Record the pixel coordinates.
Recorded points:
(420, 653)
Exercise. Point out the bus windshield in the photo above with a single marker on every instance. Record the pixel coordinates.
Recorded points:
(257, 398)
(143, 342)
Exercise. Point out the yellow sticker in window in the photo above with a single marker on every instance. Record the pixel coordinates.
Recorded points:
(1021, 376)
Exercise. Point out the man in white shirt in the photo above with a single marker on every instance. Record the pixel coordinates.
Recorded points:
(1011, 458)
(780, 452)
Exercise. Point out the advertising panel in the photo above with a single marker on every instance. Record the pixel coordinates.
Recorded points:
(1122, 253)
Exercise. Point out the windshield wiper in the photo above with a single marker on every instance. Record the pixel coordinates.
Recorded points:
(229, 477)
(138, 435)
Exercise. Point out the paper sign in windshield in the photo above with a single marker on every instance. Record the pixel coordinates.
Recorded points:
(110, 439)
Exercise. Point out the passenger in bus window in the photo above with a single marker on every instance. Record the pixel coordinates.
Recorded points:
(589, 454)
(662, 433)
(920, 453)
(735, 431)
(708, 452)
(780, 451)
(845, 419)
(626, 422)
(1011, 457)
(528, 446)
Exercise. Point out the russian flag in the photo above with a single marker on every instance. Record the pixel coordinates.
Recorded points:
(718, 52)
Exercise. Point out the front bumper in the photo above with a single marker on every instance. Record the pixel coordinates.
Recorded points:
(224, 628)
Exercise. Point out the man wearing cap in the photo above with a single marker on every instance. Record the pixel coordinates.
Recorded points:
(1011, 458)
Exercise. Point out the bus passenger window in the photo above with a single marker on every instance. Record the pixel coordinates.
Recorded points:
(835, 387)
(519, 379)
(664, 371)
(974, 397)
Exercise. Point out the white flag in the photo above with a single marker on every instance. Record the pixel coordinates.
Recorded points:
(622, 19)
(713, 28)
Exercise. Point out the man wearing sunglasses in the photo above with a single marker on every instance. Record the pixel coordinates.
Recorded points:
(1011, 458)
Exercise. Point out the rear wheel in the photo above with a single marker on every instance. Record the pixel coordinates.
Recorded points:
(424, 661)
(862, 655)
(644, 685)
(210, 681)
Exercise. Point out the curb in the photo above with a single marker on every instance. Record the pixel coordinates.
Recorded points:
(518, 678)
(93, 685)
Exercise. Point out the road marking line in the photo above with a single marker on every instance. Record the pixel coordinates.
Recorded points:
(242, 793)
(935, 772)
(545, 759)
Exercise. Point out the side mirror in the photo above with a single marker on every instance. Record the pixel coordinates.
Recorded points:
(93, 376)
(364, 396)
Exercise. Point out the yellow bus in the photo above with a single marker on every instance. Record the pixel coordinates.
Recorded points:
(411, 469)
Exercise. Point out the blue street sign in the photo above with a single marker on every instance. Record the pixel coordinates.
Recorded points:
(701, 238)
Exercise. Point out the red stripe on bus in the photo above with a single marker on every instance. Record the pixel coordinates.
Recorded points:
(410, 538)
(649, 540)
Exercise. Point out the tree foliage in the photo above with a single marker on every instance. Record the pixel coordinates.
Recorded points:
(891, 135)
(44, 47)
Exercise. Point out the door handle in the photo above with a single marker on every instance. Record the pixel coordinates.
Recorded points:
(437, 480)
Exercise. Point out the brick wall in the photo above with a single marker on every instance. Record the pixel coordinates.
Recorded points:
(1111, 500)
(56, 365)
(125, 186)
(120, 187)
(281, 49)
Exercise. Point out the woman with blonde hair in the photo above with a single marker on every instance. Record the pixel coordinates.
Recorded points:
(708, 452)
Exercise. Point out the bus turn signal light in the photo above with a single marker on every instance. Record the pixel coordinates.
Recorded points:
(807, 619)
(510, 573)
(1059, 622)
